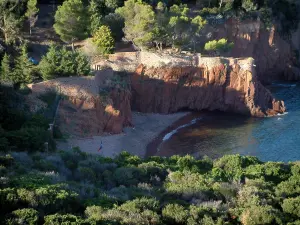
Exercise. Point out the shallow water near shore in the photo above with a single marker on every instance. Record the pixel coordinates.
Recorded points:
(217, 133)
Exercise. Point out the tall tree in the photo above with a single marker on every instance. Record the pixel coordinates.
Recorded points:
(71, 21)
(160, 30)
(23, 70)
(116, 25)
(31, 13)
(139, 21)
(197, 25)
(179, 25)
(9, 20)
(96, 15)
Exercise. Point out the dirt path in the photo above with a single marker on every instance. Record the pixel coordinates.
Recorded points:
(133, 139)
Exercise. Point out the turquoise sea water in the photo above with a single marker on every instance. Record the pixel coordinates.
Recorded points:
(217, 133)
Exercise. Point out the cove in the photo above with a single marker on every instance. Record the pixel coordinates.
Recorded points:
(217, 133)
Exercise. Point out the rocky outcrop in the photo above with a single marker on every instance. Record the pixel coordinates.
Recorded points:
(224, 84)
(90, 105)
(274, 54)
(94, 116)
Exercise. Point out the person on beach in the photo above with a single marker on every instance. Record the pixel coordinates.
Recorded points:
(101, 146)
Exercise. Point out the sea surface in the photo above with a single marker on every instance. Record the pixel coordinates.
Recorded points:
(217, 133)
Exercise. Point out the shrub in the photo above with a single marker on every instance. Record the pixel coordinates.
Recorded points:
(128, 176)
(257, 215)
(62, 62)
(187, 184)
(174, 214)
(86, 173)
(232, 165)
(154, 169)
(25, 216)
(219, 46)
(58, 219)
(6, 160)
(8, 199)
(126, 159)
(56, 198)
(197, 213)
(30, 139)
(140, 204)
(289, 188)
(94, 212)
(30, 180)
(292, 206)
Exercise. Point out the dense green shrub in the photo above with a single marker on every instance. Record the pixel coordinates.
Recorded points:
(292, 206)
(31, 139)
(141, 204)
(37, 120)
(24, 216)
(257, 215)
(289, 188)
(174, 214)
(30, 180)
(66, 219)
(218, 46)
(128, 176)
(131, 190)
(62, 62)
(126, 159)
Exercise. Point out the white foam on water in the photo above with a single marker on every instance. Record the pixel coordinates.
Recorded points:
(282, 114)
(170, 134)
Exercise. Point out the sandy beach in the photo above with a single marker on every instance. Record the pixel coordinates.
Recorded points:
(134, 139)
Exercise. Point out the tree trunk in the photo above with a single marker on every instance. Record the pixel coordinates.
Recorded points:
(30, 30)
(73, 47)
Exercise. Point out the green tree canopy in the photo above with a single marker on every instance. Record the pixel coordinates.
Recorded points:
(71, 21)
(218, 46)
(139, 20)
(31, 13)
(23, 70)
(104, 40)
(10, 21)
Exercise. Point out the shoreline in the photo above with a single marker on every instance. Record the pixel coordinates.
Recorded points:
(135, 140)
(153, 146)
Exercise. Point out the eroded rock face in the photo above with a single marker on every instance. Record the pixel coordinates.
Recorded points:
(274, 54)
(84, 111)
(230, 85)
(94, 116)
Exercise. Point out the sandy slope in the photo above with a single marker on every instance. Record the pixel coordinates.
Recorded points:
(133, 139)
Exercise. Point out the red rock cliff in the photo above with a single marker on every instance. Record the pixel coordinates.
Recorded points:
(274, 54)
(83, 111)
(224, 84)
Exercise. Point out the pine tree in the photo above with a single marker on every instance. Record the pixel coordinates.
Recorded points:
(95, 16)
(71, 21)
(23, 70)
(10, 20)
(83, 66)
(104, 40)
(5, 71)
(50, 63)
(31, 13)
